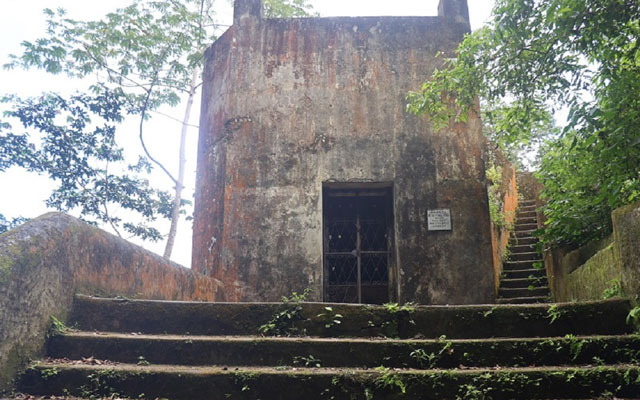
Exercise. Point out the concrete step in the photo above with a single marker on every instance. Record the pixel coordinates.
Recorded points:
(472, 321)
(525, 273)
(527, 202)
(528, 219)
(516, 265)
(527, 209)
(525, 226)
(522, 248)
(523, 233)
(533, 291)
(523, 300)
(179, 382)
(353, 353)
(527, 214)
(523, 240)
(523, 282)
(523, 255)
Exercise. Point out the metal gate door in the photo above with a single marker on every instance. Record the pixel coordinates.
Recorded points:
(357, 240)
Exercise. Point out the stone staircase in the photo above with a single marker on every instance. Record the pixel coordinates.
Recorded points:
(181, 350)
(524, 278)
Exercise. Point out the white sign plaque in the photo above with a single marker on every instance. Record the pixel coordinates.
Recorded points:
(439, 220)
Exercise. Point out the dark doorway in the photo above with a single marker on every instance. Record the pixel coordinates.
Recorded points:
(357, 244)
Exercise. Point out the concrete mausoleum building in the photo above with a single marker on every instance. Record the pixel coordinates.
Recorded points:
(311, 174)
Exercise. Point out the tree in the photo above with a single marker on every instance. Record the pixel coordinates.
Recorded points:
(151, 51)
(534, 57)
(78, 151)
(287, 8)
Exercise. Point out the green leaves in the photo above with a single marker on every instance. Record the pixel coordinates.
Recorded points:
(287, 8)
(72, 141)
(536, 56)
(149, 46)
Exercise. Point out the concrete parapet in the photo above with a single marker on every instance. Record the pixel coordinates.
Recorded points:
(45, 261)
(585, 273)
(626, 233)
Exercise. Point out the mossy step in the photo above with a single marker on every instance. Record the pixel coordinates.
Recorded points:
(523, 255)
(522, 248)
(523, 282)
(527, 201)
(525, 226)
(515, 265)
(533, 291)
(531, 212)
(469, 321)
(279, 351)
(523, 240)
(521, 220)
(523, 300)
(159, 381)
(521, 233)
(524, 273)
(528, 210)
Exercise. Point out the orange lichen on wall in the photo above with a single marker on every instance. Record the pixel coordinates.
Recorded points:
(508, 192)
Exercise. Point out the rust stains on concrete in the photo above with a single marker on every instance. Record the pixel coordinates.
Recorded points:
(326, 97)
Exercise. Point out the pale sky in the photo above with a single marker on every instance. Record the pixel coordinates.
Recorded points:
(23, 194)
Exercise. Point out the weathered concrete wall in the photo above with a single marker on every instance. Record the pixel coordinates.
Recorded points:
(290, 104)
(560, 262)
(584, 273)
(626, 234)
(45, 261)
(598, 274)
(508, 193)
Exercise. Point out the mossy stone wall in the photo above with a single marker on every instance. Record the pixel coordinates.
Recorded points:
(600, 273)
(626, 233)
(585, 273)
(45, 261)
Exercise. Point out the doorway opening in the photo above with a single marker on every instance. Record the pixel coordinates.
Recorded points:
(357, 244)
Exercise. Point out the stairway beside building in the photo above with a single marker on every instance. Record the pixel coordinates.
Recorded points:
(182, 350)
(524, 278)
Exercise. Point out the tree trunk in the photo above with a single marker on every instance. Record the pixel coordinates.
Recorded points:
(175, 214)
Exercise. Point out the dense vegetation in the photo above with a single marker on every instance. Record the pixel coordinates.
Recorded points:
(538, 56)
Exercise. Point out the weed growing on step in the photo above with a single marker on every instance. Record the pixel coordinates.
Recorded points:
(470, 392)
(244, 379)
(430, 360)
(309, 361)
(100, 385)
(142, 361)
(390, 326)
(575, 346)
(489, 312)
(535, 280)
(390, 379)
(423, 359)
(330, 318)
(554, 313)
(395, 308)
(538, 265)
(57, 327)
(48, 373)
(633, 318)
(614, 289)
(284, 321)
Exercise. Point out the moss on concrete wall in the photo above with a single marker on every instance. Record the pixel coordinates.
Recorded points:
(626, 232)
(508, 194)
(600, 273)
(606, 263)
(45, 261)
